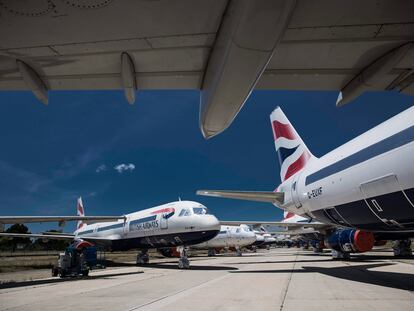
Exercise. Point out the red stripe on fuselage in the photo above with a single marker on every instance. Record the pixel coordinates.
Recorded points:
(297, 165)
(282, 130)
(164, 210)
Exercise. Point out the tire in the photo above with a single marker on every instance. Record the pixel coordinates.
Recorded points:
(85, 272)
(55, 271)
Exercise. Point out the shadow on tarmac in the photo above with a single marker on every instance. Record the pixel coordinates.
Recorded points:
(357, 273)
(59, 280)
(198, 268)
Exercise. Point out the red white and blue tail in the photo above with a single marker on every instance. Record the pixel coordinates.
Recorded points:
(292, 151)
(287, 215)
(80, 211)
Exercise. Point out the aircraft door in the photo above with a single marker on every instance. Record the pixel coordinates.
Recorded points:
(388, 202)
(295, 193)
(164, 221)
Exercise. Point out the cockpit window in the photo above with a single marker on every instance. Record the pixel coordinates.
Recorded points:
(246, 228)
(185, 212)
(200, 210)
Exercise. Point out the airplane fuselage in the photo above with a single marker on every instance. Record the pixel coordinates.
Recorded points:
(367, 183)
(179, 223)
(230, 236)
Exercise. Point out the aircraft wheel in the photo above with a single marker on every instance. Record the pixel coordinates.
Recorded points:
(143, 259)
(183, 263)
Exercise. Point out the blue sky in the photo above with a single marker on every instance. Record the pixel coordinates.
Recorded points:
(50, 155)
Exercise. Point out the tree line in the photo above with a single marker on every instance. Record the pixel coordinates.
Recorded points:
(29, 244)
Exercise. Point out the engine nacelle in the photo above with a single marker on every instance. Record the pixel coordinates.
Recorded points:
(350, 241)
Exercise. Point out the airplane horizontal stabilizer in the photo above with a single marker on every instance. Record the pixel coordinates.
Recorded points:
(260, 196)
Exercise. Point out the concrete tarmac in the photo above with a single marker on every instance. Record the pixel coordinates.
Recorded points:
(279, 279)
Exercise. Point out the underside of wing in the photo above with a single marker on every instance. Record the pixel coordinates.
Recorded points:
(223, 48)
(260, 196)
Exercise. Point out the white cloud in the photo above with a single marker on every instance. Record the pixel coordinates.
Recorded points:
(124, 167)
(101, 168)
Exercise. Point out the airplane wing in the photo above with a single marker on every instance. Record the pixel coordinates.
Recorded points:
(275, 223)
(39, 236)
(66, 236)
(225, 48)
(294, 232)
(60, 219)
(261, 196)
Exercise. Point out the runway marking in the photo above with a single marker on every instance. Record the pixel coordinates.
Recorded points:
(285, 290)
(167, 299)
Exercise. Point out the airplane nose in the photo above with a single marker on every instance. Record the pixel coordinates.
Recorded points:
(213, 223)
(209, 223)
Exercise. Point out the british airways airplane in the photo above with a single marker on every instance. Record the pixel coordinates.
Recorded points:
(232, 237)
(180, 223)
(365, 185)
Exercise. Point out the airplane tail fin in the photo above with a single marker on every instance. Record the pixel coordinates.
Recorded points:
(287, 215)
(80, 212)
(291, 150)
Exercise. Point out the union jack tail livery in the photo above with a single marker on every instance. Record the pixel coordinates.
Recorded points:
(291, 150)
(287, 215)
(80, 212)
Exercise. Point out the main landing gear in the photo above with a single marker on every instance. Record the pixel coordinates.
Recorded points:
(211, 252)
(143, 258)
(402, 248)
(183, 263)
(338, 255)
(239, 252)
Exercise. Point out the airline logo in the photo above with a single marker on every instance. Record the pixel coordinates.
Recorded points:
(166, 212)
(292, 152)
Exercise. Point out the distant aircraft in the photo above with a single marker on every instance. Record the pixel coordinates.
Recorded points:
(365, 185)
(180, 223)
(223, 48)
(231, 237)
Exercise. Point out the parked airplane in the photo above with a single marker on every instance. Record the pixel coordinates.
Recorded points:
(180, 223)
(231, 237)
(365, 185)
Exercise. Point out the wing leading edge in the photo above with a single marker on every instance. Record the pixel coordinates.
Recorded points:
(260, 196)
(31, 219)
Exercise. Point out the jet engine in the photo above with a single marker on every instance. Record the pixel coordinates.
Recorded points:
(350, 241)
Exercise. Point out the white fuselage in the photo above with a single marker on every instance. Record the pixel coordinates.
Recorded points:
(229, 237)
(173, 224)
(367, 183)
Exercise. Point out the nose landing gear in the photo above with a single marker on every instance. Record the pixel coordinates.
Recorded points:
(143, 258)
(183, 262)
